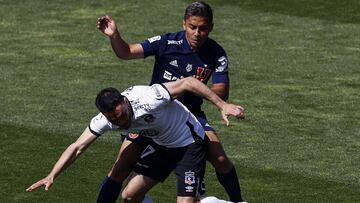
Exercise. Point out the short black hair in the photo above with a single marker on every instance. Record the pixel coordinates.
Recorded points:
(107, 99)
(199, 8)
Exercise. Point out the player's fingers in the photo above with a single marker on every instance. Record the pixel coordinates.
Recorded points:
(241, 108)
(241, 117)
(29, 189)
(241, 114)
(108, 17)
(47, 186)
(226, 120)
(34, 186)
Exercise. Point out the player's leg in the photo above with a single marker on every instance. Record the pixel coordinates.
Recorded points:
(190, 171)
(185, 199)
(225, 170)
(111, 186)
(154, 165)
(137, 187)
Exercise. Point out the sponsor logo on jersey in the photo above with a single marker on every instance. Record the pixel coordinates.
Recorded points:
(175, 42)
(153, 39)
(189, 178)
(223, 64)
(174, 63)
(188, 67)
(168, 76)
(136, 105)
(158, 94)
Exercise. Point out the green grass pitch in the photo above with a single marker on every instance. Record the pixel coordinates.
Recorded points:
(294, 65)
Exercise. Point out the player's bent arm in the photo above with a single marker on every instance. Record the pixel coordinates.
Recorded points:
(71, 153)
(123, 50)
(222, 90)
(193, 85)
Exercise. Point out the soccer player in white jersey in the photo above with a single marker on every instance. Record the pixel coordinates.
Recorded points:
(150, 111)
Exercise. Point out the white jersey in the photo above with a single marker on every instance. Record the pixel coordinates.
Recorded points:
(168, 123)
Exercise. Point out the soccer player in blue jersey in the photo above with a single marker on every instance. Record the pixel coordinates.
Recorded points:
(181, 54)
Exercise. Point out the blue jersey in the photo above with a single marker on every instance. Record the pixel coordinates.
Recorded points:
(175, 59)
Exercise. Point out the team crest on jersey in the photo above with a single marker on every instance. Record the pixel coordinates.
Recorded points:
(188, 67)
(189, 177)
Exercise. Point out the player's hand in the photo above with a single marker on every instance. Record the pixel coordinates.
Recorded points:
(106, 25)
(47, 182)
(232, 110)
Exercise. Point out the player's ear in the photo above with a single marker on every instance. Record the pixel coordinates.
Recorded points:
(211, 27)
(184, 25)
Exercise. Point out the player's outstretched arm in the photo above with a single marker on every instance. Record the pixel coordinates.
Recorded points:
(121, 48)
(193, 85)
(71, 153)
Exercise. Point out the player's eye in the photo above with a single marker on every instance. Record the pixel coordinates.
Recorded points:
(192, 27)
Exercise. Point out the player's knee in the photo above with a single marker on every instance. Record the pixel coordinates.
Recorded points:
(222, 164)
(127, 196)
(180, 199)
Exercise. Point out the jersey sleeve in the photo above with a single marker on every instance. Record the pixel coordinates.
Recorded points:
(151, 46)
(159, 95)
(221, 73)
(99, 125)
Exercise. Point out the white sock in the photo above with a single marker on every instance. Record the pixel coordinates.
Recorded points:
(212, 199)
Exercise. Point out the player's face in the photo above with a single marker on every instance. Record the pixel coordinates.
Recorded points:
(121, 116)
(197, 29)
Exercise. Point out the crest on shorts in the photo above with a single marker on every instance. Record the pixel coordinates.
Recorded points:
(189, 177)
